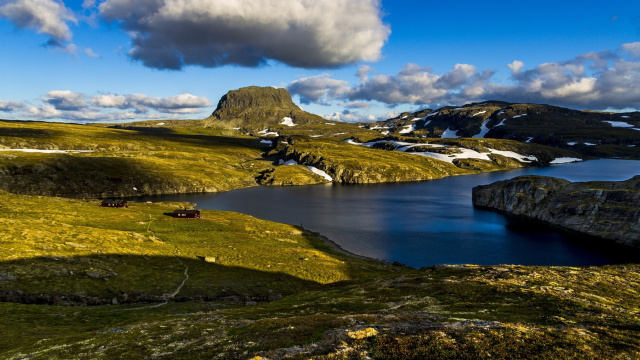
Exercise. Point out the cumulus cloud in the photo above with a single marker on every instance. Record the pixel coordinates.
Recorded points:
(516, 66)
(44, 16)
(412, 84)
(351, 116)
(65, 100)
(11, 106)
(183, 103)
(170, 34)
(632, 48)
(316, 88)
(596, 80)
(69, 105)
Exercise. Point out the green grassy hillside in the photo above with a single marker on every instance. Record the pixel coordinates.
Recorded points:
(234, 287)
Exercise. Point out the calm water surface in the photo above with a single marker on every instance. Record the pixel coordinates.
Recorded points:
(426, 223)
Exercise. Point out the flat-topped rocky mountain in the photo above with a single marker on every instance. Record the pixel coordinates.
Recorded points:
(604, 209)
(256, 108)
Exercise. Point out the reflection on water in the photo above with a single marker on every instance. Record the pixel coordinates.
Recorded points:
(426, 223)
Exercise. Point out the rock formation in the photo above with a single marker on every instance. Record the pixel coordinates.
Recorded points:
(256, 108)
(604, 209)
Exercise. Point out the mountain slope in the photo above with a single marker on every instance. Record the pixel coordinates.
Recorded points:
(590, 133)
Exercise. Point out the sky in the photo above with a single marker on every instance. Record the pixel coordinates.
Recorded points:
(349, 60)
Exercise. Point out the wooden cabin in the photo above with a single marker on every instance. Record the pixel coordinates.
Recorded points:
(186, 214)
(114, 203)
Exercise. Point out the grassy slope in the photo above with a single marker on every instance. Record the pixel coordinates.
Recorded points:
(334, 306)
(189, 158)
(67, 251)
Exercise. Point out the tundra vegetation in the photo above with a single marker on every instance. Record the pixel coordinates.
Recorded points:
(86, 282)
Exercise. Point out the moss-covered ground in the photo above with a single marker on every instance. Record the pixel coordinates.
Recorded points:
(79, 281)
(86, 282)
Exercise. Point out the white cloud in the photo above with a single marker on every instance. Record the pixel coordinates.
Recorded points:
(11, 106)
(65, 100)
(170, 34)
(351, 116)
(44, 16)
(596, 80)
(90, 53)
(632, 48)
(68, 105)
(516, 66)
(315, 88)
(183, 103)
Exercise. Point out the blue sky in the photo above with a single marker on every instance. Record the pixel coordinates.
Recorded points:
(120, 60)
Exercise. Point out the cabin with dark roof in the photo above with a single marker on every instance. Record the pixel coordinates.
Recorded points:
(186, 214)
(114, 203)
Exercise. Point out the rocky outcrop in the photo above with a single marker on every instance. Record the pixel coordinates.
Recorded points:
(604, 209)
(257, 108)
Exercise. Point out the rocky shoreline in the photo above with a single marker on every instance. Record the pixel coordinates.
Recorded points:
(604, 209)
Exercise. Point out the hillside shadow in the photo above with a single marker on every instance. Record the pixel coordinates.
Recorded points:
(126, 279)
(195, 139)
(88, 176)
(21, 132)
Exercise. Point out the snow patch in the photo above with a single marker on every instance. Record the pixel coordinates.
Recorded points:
(264, 141)
(290, 162)
(449, 134)
(315, 136)
(631, 146)
(404, 117)
(621, 124)
(49, 151)
(236, 128)
(571, 143)
(517, 116)
(515, 155)
(431, 114)
(564, 160)
(317, 171)
(287, 121)
(329, 123)
(478, 113)
(160, 124)
(624, 116)
(529, 140)
(408, 128)
(501, 122)
(267, 132)
(590, 144)
(483, 130)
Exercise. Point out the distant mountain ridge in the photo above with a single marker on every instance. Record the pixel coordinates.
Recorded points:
(587, 132)
(256, 108)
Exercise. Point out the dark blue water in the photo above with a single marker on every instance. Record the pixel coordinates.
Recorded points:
(427, 223)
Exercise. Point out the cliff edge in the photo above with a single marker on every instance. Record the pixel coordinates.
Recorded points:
(605, 209)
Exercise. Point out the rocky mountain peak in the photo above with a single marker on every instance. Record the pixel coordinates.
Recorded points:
(255, 96)
(257, 108)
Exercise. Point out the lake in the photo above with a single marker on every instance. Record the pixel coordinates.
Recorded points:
(427, 223)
